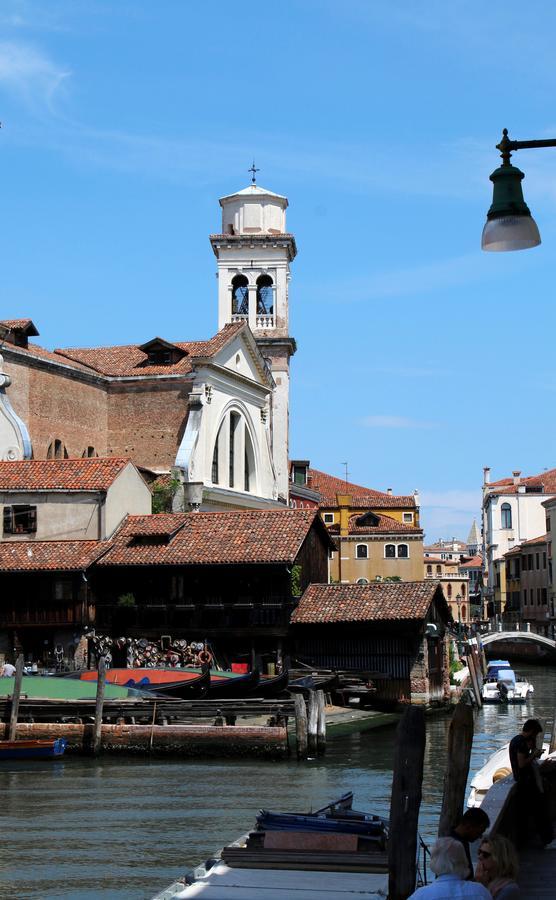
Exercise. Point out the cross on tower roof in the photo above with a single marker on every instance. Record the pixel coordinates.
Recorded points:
(254, 170)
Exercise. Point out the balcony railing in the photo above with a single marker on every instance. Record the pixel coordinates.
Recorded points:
(447, 576)
(265, 321)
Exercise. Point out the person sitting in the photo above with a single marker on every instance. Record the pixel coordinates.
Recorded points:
(497, 867)
(470, 828)
(449, 864)
(8, 670)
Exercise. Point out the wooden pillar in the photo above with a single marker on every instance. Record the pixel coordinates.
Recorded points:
(16, 693)
(321, 723)
(460, 740)
(404, 805)
(101, 682)
(312, 724)
(474, 681)
(300, 726)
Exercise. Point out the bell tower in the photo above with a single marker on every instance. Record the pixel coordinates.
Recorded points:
(254, 252)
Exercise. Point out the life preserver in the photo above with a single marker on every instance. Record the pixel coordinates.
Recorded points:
(205, 656)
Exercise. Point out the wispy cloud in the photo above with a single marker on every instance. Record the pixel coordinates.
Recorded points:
(393, 422)
(449, 513)
(31, 75)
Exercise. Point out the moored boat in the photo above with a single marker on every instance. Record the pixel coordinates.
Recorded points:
(305, 863)
(497, 766)
(503, 685)
(231, 685)
(45, 687)
(186, 684)
(33, 749)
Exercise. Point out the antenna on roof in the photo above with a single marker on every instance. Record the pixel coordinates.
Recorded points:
(254, 171)
(346, 473)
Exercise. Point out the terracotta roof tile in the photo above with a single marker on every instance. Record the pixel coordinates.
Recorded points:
(438, 559)
(215, 538)
(54, 556)
(361, 497)
(26, 325)
(379, 601)
(545, 482)
(95, 474)
(131, 360)
(473, 563)
(386, 525)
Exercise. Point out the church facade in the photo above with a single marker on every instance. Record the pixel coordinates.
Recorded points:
(213, 412)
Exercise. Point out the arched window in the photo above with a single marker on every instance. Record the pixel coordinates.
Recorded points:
(89, 453)
(215, 472)
(265, 296)
(57, 450)
(362, 581)
(249, 462)
(463, 590)
(362, 551)
(390, 551)
(439, 570)
(463, 612)
(429, 570)
(240, 296)
(403, 551)
(506, 512)
(449, 590)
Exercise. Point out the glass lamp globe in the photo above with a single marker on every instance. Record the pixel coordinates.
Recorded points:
(510, 233)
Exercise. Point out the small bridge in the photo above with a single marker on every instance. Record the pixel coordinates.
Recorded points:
(523, 645)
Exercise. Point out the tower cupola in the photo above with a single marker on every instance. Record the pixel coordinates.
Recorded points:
(254, 211)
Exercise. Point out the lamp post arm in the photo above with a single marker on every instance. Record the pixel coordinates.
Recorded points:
(506, 145)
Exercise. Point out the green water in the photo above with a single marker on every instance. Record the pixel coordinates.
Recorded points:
(126, 828)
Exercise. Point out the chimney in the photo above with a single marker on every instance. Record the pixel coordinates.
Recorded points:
(486, 474)
(343, 501)
(516, 477)
(389, 491)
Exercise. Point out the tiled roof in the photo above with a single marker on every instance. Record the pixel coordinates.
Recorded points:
(53, 556)
(215, 538)
(386, 525)
(131, 360)
(95, 474)
(545, 483)
(361, 497)
(20, 325)
(542, 539)
(473, 563)
(379, 601)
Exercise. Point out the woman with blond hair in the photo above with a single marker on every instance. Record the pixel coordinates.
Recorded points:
(497, 867)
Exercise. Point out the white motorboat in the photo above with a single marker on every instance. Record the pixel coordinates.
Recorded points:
(503, 685)
(496, 767)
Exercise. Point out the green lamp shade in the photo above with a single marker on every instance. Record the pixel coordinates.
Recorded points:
(509, 225)
(510, 233)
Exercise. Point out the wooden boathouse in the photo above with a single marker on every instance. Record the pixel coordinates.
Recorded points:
(392, 632)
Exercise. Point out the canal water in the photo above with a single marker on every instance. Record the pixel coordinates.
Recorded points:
(125, 828)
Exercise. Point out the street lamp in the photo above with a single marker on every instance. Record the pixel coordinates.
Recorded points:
(509, 224)
(458, 601)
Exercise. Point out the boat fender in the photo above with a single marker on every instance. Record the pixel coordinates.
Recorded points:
(501, 773)
(205, 656)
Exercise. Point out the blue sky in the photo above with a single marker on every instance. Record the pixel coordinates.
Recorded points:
(420, 358)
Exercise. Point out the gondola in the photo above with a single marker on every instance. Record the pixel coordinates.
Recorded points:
(314, 683)
(230, 685)
(272, 685)
(185, 684)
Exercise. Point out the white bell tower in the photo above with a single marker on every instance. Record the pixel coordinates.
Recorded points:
(254, 252)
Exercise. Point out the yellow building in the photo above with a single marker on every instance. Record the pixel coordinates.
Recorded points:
(378, 533)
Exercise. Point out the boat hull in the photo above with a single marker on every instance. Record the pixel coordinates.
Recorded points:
(33, 749)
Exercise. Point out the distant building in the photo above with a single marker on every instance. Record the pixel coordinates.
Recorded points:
(474, 540)
(454, 584)
(473, 568)
(378, 533)
(447, 549)
(525, 598)
(513, 513)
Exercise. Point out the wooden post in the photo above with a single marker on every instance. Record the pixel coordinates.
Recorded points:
(460, 740)
(312, 724)
(474, 681)
(101, 682)
(14, 707)
(151, 738)
(300, 726)
(404, 806)
(321, 723)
